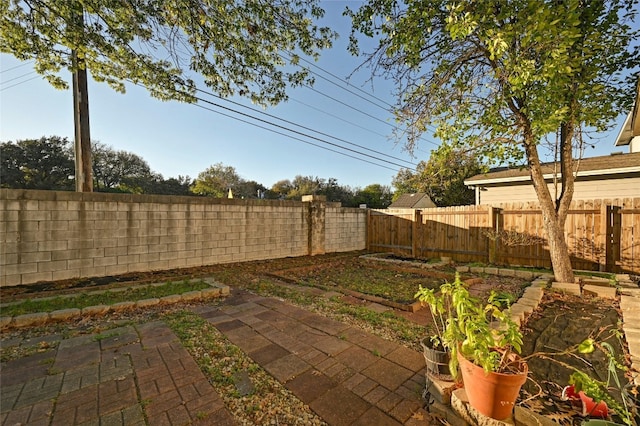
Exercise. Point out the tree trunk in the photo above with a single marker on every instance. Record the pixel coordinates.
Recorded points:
(558, 250)
(554, 213)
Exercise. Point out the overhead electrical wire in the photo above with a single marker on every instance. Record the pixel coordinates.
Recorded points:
(338, 117)
(24, 64)
(291, 137)
(17, 78)
(303, 127)
(288, 121)
(299, 133)
(19, 83)
(343, 81)
(342, 87)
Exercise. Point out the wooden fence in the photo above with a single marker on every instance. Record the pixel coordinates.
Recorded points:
(601, 234)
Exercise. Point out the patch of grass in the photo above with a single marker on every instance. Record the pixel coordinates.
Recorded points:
(52, 371)
(606, 275)
(391, 284)
(389, 321)
(110, 297)
(220, 360)
(266, 287)
(103, 336)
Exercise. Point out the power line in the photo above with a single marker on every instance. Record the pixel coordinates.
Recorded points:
(342, 87)
(290, 136)
(289, 130)
(17, 78)
(360, 90)
(304, 127)
(19, 83)
(342, 80)
(17, 66)
(338, 117)
(299, 133)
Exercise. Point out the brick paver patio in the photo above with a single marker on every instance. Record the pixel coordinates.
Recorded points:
(347, 376)
(138, 375)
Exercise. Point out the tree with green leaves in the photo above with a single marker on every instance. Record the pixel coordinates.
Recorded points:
(497, 77)
(244, 47)
(45, 163)
(249, 189)
(375, 196)
(281, 189)
(441, 178)
(216, 181)
(117, 169)
(305, 185)
(172, 186)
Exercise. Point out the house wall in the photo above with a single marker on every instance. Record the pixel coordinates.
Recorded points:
(625, 187)
(55, 235)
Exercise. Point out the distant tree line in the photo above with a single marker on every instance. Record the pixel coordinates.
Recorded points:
(47, 163)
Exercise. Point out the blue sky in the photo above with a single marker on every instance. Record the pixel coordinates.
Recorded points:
(182, 139)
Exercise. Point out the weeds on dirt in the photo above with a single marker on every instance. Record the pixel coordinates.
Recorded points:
(395, 284)
(109, 297)
(386, 324)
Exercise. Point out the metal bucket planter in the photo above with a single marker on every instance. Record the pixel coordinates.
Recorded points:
(437, 360)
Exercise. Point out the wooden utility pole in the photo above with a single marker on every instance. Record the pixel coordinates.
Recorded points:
(84, 173)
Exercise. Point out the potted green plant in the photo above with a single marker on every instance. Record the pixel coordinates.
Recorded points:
(484, 344)
(437, 357)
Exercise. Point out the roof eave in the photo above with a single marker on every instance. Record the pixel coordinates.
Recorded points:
(525, 178)
(626, 132)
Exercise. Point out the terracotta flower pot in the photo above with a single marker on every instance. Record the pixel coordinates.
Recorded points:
(437, 361)
(589, 406)
(492, 394)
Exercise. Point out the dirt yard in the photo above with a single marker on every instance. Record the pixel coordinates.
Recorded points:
(562, 321)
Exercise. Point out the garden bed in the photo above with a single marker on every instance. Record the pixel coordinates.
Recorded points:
(393, 282)
(560, 322)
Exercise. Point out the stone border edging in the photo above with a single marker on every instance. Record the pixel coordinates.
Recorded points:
(40, 318)
(379, 257)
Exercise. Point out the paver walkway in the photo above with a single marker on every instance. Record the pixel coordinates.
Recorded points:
(345, 375)
(110, 379)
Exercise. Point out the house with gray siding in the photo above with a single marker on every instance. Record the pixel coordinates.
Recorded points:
(609, 176)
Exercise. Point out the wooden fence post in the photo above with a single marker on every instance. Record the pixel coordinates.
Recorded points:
(368, 230)
(415, 226)
(495, 222)
(613, 232)
(603, 237)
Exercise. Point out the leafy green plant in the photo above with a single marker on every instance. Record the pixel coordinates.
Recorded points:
(626, 406)
(601, 390)
(482, 332)
(440, 306)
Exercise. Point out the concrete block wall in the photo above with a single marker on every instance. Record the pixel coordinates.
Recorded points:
(345, 228)
(55, 235)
